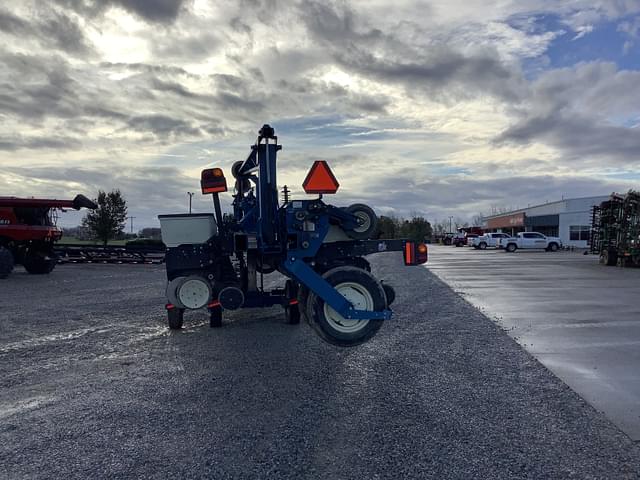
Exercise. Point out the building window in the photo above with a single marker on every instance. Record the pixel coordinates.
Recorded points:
(579, 232)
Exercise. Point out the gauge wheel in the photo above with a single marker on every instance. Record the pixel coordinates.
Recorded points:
(363, 291)
(176, 318)
(367, 218)
(6, 262)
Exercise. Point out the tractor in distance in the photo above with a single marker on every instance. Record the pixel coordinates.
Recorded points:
(28, 232)
(218, 262)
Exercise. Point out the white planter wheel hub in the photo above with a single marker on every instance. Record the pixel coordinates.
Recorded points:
(193, 292)
(359, 297)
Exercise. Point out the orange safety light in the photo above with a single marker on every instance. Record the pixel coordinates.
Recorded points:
(415, 254)
(212, 181)
(320, 179)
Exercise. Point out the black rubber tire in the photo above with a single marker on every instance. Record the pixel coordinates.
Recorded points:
(390, 293)
(291, 311)
(215, 317)
(609, 257)
(483, 245)
(6, 262)
(292, 314)
(365, 212)
(511, 247)
(553, 247)
(38, 265)
(318, 321)
(175, 316)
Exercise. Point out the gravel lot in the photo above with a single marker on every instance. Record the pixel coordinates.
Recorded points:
(94, 386)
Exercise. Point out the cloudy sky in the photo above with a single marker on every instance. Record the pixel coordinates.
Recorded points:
(434, 107)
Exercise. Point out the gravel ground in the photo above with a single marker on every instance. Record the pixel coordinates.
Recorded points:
(94, 386)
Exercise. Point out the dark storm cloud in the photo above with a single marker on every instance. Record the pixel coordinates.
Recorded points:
(577, 137)
(435, 67)
(37, 143)
(155, 11)
(164, 126)
(149, 191)
(33, 87)
(461, 195)
(50, 28)
(586, 111)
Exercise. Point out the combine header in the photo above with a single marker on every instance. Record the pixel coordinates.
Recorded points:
(218, 262)
(28, 232)
(615, 230)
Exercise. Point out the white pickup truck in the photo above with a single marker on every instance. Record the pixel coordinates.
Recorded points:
(488, 240)
(529, 240)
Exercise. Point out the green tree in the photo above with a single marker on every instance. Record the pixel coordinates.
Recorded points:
(418, 229)
(387, 227)
(108, 220)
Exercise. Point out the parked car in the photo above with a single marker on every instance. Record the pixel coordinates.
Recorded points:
(488, 240)
(530, 240)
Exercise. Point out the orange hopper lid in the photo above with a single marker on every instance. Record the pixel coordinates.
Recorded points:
(320, 179)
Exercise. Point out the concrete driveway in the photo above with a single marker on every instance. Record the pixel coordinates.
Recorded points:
(579, 318)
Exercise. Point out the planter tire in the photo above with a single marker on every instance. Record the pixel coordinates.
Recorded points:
(175, 317)
(364, 291)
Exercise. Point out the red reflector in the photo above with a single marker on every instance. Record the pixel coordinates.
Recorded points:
(409, 253)
(213, 304)
(320, 179)
(169, 306)
(214, 189)
(293, 301)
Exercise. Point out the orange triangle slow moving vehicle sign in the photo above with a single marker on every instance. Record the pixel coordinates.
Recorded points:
(320, 179)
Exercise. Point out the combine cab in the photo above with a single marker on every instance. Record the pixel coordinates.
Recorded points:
(28, 232)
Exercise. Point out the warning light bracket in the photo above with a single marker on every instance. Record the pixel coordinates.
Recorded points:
(320, 179)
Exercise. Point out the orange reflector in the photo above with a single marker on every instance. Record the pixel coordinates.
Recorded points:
(320, 179)
(212, 181)
(415, 254)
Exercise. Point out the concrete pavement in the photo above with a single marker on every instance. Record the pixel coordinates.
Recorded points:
(579, 318)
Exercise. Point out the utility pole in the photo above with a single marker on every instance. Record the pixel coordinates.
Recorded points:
(450, 226)
(191, 194)
(131, 218)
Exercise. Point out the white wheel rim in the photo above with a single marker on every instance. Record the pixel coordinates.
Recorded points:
(194, 293)
(359, 297)
(366, 222)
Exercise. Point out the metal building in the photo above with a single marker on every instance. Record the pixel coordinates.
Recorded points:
(569, 219)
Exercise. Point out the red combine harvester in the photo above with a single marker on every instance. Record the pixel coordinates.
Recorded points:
(28, 232)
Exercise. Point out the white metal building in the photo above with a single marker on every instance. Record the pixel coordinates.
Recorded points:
(569, 219)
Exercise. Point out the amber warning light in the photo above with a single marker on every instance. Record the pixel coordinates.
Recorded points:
(212, 181)
(415, 253)
(320, 179)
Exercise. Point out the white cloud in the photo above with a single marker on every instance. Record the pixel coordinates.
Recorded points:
(417, 93)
